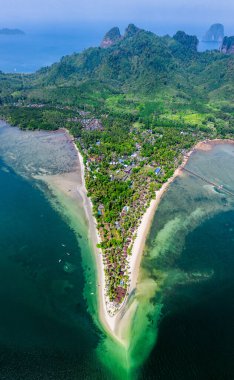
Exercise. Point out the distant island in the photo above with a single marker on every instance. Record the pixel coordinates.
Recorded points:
(11, 32)
(214, 34)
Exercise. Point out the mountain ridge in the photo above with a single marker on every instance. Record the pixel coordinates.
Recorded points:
(167, 71)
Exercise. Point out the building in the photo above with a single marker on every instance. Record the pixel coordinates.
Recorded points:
(125, 209)
(157, 171)
(101, 209)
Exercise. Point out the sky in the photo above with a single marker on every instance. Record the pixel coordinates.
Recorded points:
(118, 12)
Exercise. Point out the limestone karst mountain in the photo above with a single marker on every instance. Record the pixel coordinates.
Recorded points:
(111, 37)
(228, 45)
(214, 34)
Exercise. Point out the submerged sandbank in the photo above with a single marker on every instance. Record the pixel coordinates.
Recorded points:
(71, 186)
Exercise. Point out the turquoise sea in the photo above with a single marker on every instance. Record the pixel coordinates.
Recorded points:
(46, 330)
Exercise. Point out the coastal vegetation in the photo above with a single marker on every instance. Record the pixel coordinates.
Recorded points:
(134, 109)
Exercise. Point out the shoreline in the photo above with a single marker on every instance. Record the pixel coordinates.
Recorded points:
(110, 323)
(106, 320)
(115, 325)
(70, 188)
(123, 314)
(146, 222)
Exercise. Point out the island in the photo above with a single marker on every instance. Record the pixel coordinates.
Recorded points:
(135, 108)
(11, 32)
(214, 34)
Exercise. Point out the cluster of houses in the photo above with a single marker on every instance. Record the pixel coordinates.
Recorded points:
(92, 124)
(120, 294)
(89, 124)
(35, 105)
(116, 260)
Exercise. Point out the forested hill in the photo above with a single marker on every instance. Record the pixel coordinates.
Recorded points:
(140, 62)
(139, 74)
(136, 60)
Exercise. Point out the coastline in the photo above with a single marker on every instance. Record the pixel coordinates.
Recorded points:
(73, 185)
(144, 227)
(111, 323)
(116, 324)
(107, 321)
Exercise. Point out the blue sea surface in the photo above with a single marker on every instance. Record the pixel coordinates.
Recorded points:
(42, 47)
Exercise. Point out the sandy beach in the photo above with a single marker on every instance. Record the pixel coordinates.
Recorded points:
(144, 227)
(208, 144)
(107, 321)
(72, 185)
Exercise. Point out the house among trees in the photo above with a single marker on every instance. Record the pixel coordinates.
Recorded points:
(126, 209)
(157, 171)
(101, 209)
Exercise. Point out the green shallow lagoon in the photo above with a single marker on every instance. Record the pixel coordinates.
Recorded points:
(190, 259)
(182, 328)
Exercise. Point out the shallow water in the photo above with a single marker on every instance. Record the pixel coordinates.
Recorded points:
(48, 283)
(190, 260)
(36, 153)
